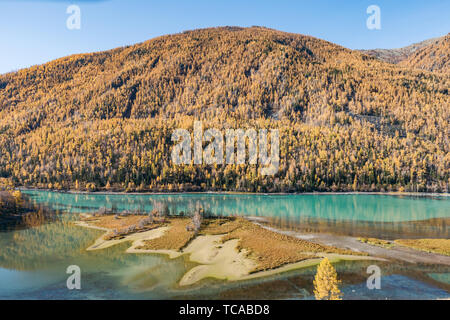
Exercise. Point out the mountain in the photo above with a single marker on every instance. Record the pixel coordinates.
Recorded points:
(399, 54)
(104, 120)
(432, 55)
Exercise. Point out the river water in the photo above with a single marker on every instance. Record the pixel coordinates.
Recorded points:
(33, 261)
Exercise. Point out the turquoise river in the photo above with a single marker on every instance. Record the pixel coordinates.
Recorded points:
(33, 260)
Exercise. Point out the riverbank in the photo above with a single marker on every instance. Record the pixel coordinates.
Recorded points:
(393, 193)
(396, 250)
(16, 213)
(225, 248)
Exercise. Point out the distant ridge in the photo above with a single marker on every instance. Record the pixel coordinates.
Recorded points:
(432, 54)
(433, 57)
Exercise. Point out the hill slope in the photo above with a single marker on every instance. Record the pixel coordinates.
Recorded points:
(104, 120)
(399, 54)
(431, 55)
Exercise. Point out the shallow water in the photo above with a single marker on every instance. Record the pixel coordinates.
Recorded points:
(33, 261)
(375, 215)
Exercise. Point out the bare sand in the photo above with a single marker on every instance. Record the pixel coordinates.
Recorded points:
(217, 258)
(135, 238)
(223, 260)
(88, 225)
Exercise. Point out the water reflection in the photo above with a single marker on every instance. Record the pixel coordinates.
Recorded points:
(33, 261)
(399, 281)
(430, 228)
(351, 214)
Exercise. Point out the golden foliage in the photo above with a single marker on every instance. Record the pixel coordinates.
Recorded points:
(434, 57)
(17, 197)
(326, 282)
(103, 121)
(16, 213)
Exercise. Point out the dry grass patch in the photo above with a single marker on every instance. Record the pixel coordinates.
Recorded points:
(121, 226)
(176, 238)
(271, 249)
(115, 222)
(440, 246)
(268, 248)
(219, 226)
(377, 242)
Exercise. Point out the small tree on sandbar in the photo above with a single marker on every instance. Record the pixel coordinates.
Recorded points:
(326, 282)
(197, 221)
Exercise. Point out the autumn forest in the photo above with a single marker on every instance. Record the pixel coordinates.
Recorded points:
(348, 120)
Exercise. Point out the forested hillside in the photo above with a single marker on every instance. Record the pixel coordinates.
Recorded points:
(347, 121)
(399, 54)
(432, 55)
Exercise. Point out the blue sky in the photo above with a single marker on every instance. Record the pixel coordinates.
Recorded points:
(34, 32)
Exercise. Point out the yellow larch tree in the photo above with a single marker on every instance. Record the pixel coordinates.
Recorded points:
(326, 282)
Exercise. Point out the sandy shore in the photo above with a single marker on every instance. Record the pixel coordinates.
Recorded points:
(352, 243)
(135, 238)
(223, 260)
(91, 226)
(217, 258)
(308, 263)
